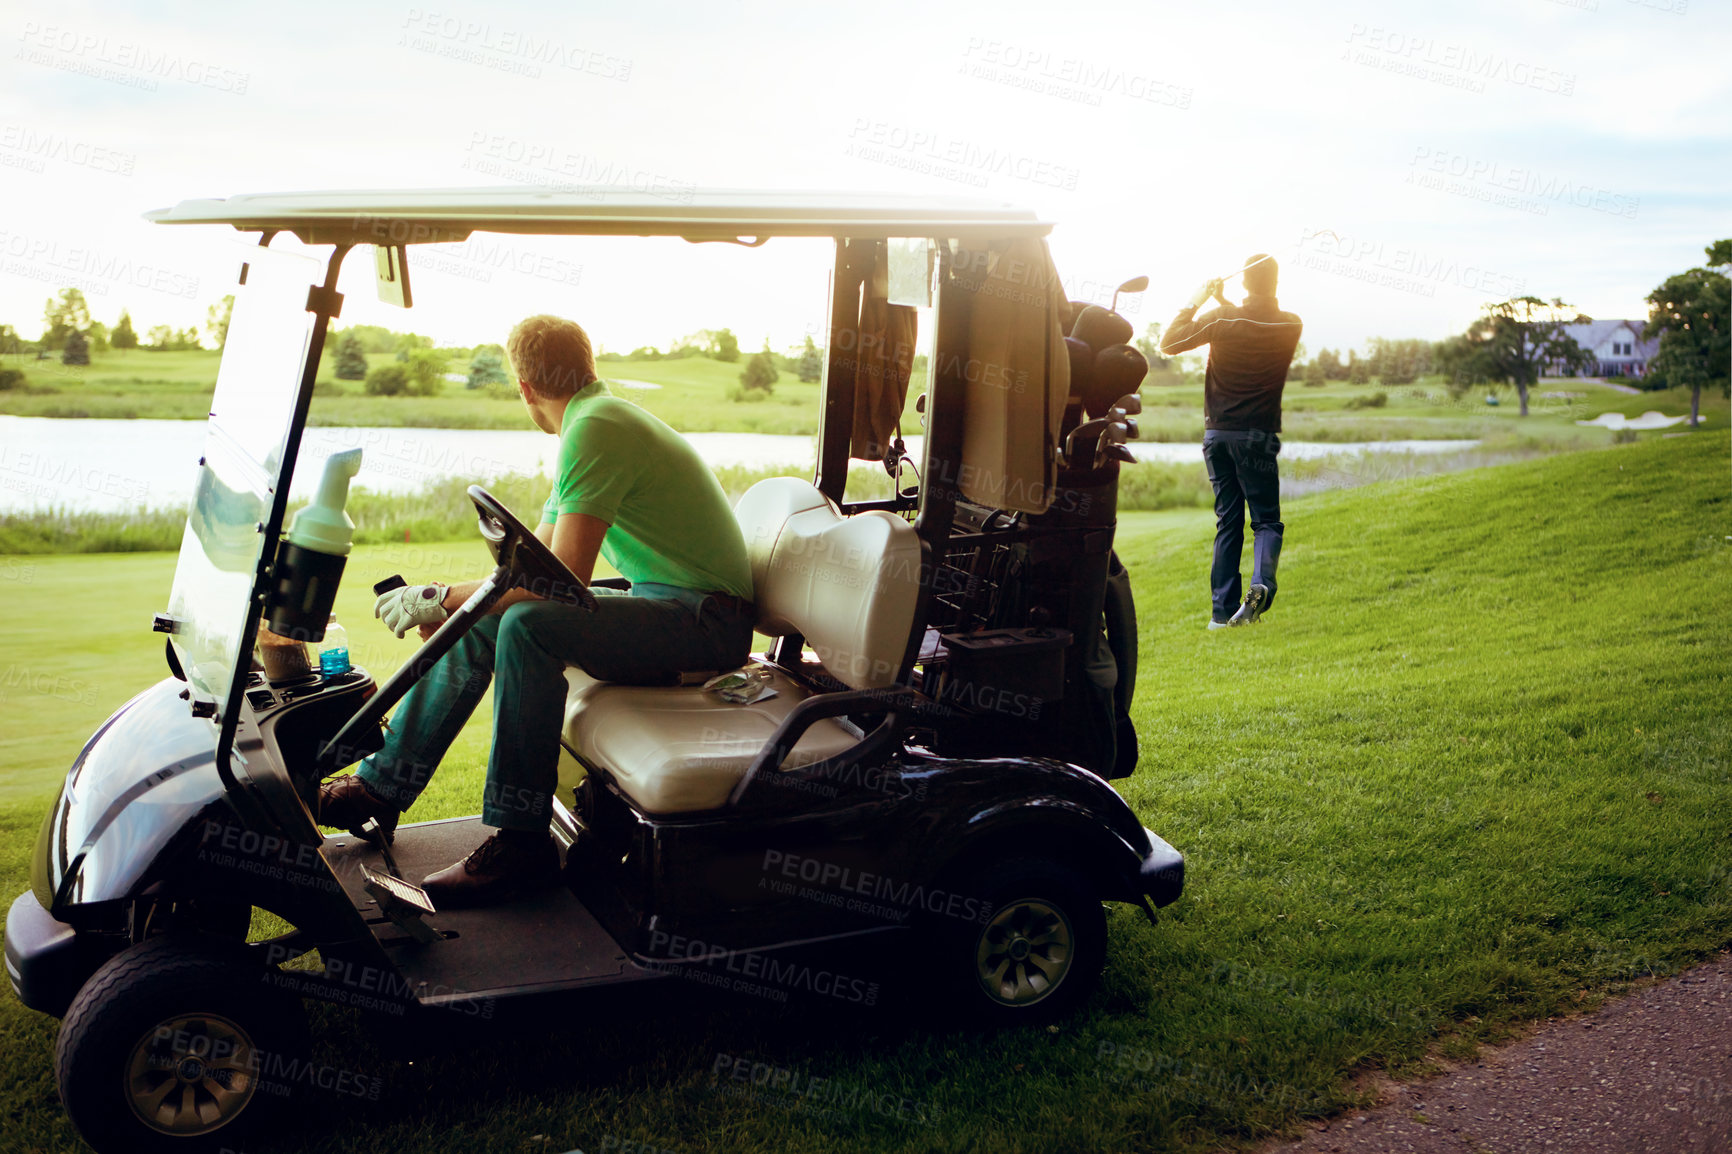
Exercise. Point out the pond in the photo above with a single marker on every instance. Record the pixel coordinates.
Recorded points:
(115, 465)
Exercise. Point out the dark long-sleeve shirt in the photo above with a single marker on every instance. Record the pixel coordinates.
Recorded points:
(1250, 348)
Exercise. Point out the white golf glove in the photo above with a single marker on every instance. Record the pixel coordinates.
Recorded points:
(409, 606)
(1208, 289)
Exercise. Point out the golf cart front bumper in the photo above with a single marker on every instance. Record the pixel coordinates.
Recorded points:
(47, 961)
(1162, 876)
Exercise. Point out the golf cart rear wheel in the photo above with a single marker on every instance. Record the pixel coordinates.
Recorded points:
(178, 1043)
(1033, 953)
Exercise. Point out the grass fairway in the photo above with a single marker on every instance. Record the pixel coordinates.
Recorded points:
(1471, 771)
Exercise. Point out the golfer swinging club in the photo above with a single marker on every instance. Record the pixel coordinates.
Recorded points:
(1250, 347)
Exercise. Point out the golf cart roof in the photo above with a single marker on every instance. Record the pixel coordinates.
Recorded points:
(450, 214)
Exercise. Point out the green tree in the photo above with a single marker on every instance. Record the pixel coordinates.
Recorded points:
(427, 371)
(1689, 313)
(76, 350)
(758, 378)
(1295, 367)
(1358, 368)
(160, 338)
(725, 346)
(1331, 364)
(123, 337)
(407, 343)
(373, 338)
(9, 341)
(187, 338)
(388, 380)
(1399, 362)
(1516, 339)
(62, 316)
(351, 358)
(1149, 344)
(811, 365)
(98, 337)
(487, 367)
(216, 320)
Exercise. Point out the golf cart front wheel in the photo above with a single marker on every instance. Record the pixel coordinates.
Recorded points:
(178, 1044)
(1034, 951)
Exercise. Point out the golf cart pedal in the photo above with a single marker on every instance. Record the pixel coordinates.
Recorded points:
(380, 838)
(405, 903)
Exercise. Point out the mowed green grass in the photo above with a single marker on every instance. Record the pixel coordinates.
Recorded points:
(691, 394)
(1472, 770)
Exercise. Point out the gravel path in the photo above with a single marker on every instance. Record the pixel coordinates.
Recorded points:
(1651, 1072)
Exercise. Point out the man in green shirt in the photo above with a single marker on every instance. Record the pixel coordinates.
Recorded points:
(628, 489)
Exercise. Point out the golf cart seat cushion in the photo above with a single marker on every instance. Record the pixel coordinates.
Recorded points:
(679, 749)
(849, 585)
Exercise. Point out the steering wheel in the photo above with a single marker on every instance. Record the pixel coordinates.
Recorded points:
(531, 565)
(525, 564)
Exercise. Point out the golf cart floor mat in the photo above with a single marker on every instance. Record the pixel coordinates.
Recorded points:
(540, 941)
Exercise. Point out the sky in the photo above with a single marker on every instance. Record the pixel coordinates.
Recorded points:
(1405, 163)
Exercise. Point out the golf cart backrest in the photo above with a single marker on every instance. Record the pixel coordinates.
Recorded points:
(849, 585)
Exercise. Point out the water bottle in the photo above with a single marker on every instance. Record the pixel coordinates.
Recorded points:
(334, 653)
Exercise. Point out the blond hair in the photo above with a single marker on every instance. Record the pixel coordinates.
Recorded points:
(552, 354)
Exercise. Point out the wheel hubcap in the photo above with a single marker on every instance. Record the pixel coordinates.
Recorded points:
(192, 1074)
(1024, 952)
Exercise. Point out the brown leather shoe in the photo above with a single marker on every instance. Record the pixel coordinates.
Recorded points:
(502, 866)
(347, 803)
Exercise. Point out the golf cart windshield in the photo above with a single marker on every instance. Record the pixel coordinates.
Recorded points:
(244, 467)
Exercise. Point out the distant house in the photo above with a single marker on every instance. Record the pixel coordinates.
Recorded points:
(1617, 347)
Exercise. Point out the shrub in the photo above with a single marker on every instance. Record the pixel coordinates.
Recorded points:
(427, 370)
(388, 380)
(77, 351)
(1375, 401)
(487, 367)
(10, 379)
(811, 364)
(351, 358)
(758, 377)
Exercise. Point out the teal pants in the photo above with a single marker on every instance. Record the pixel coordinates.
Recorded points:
(642, 638)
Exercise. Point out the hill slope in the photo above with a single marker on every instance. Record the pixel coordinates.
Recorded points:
(1472, 769)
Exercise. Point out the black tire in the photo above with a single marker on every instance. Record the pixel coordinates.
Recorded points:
(178, 1015)
(1034, 952)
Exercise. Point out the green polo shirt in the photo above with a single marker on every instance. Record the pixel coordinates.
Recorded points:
(669, 521)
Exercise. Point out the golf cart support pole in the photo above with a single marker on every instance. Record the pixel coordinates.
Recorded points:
(841, 367)
(326, 304)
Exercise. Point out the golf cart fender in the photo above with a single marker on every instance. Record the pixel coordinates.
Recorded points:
(1073, 815)
(146, 774)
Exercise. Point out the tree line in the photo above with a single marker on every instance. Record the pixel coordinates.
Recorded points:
(69, 329)
(1512, 342)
